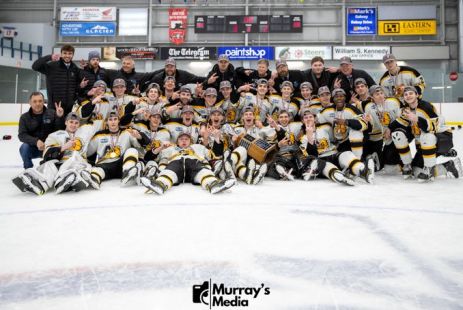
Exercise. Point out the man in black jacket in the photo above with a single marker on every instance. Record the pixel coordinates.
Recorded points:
(35, 125)
(91, 73)
(348, 75)
(318, 75)
(182, 77)
(222, 71)
(128, 73)
(62, 77)
(283, 74)
(251, 76)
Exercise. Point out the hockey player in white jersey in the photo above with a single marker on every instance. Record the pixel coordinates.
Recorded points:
(245, 167)
(285, 102)
(186, 124)
(323, 159)
(64, 165)
(125, 104)
(229, 103)
(347, 122)
(380, 112)
(259, 102)
(396, 78)
(116, 152)
(186, 162)
(157, 134)
(285, 165)
(420, 122)
(97, 107)
(307, 100)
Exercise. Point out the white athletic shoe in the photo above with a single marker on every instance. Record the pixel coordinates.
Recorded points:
(284, 174)
(90, 179)
(250, 170)
(153, 186)
(221, 186)
(339, 177)
(259, 174)
(129, 175)
(65, 182)
(368, 173)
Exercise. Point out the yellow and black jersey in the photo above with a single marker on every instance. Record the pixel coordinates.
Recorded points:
(110, 147)
(278, 104)
(381, 116)
(407, 76)
(176, 128)
(428, 119)
(262, 106)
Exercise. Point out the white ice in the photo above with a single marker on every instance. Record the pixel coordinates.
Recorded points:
(392, 245)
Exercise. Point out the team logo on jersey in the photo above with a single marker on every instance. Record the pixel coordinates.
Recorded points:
(340, 130)
(416, 130)
(291, 138)
(77, 145)
(322, 145)
(113, 153)
(153, 145)
(231, 115)
(385, 119)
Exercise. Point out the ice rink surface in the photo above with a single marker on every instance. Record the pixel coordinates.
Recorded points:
(392, 245)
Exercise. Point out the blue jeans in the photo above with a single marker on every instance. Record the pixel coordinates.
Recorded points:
(29, 152)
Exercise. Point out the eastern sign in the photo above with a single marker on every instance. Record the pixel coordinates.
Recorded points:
(361, 52)
(361, 21)
(247, 52)
(88, 14)
(407, 27)
(190, 53)
(96, 29)
(302, 52)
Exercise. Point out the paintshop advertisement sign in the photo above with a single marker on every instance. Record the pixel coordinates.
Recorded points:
(247, 52)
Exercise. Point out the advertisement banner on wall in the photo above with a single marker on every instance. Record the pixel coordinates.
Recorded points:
(361, 21)
(247, 52)
(361, 52)
(189, 52)
(177, 25)
(302, 52)
(407, 27)
(88, 14)
(112, 53)
(95, 29)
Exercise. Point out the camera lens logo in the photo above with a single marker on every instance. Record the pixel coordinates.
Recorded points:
(201, 293)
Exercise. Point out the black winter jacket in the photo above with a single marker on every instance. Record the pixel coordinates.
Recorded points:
(228, 75)
(34, 127)
(62, 82)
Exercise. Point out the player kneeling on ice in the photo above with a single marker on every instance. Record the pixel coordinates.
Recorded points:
(116, 152)
(188, 163)
(64, 165)
(420, 122)
(322, 157)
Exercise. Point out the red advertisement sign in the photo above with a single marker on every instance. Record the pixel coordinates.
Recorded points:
(177, 25)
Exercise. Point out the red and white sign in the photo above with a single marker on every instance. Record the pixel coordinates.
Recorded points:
(88, 14)
(177, 25)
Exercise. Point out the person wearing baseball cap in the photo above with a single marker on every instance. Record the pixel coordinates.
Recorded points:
(91, 73)
(306, 99)
(397, 77)
(347, 76)
(282, 74)
(361, 93)
(324, 95)
(223, 70)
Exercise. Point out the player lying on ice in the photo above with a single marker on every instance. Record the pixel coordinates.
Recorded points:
(187, 163)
